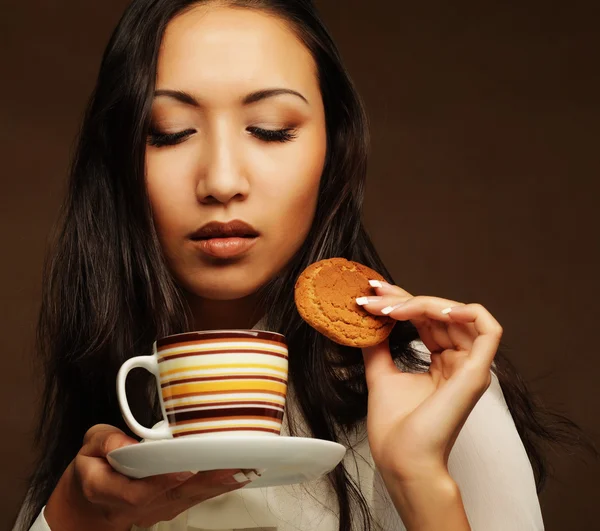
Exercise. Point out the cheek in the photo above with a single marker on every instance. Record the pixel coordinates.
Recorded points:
(294, 209)
(168, 192)
(294, 187)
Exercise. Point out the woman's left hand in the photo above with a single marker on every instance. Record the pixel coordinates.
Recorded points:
(414, 418)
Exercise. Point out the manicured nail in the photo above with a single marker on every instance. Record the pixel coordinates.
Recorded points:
(233, 479)
(361, 301)
(240, 477)
(375, 283)
(184, 476)
(389, 309)
(446, 311)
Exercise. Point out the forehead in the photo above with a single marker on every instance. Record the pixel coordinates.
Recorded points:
(217, 50)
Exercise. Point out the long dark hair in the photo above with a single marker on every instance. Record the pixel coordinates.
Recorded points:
(108, 293)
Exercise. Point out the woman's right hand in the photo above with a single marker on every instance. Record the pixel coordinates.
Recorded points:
(92, 495)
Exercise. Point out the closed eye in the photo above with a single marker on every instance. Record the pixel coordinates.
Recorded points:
(273, 135)
(159, 139)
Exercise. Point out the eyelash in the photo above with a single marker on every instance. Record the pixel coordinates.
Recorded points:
(273, 135)
(159, 139)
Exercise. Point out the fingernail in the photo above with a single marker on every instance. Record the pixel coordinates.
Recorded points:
(251, 475)
(446, 311)
(235, 480)
(361, 301)
(260, 471)
(184, 476)
(229, 478)
(389, 309)
(375, 283)
(240, 477)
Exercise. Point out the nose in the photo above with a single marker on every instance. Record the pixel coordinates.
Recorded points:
(222, 178)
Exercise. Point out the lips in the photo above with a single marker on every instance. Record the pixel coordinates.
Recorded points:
(225, 240)
(233, 229)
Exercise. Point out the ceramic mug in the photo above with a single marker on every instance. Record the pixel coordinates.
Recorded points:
(217, 382)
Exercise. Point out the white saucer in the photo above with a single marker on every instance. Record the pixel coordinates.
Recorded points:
(285, 460)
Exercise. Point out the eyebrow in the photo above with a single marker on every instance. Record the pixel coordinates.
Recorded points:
(253, 97)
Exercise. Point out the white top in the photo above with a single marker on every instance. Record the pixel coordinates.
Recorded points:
(488, 463)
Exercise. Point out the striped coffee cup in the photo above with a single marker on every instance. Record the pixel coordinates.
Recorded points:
(214, 382)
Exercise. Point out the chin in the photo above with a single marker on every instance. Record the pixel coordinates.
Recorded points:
(230, 293)
(225, 287)
(229, 282)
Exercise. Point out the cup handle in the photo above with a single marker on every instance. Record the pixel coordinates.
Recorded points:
(150, 364)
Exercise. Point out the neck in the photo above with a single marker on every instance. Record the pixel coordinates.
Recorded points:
(209, 314)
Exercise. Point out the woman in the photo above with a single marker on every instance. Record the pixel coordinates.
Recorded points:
(212, 112)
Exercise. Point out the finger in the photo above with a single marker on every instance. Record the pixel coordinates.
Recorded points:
(462, 335)
(439, 333)
(208, 479)
(490, 332)
(205, 485)
(420, 309)
(174, 502)
(102, 439)
(385, 288)
(471, 376)
(426, 334)
(99, 428)
(378, 362)
(450, 335)
(104, 483)
(444, 331)
(376, 303)
(211, 492)
(253, 474)
(389, 303)
(435, 337)
(101, 484)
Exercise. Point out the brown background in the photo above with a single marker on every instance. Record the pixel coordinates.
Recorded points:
(483, 183)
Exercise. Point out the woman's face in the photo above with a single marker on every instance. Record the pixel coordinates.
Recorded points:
(238, 135)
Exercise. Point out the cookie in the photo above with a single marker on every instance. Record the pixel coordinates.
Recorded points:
(325, 296)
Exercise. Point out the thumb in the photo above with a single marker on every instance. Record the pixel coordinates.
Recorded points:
(102, 439)
(378, 362)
